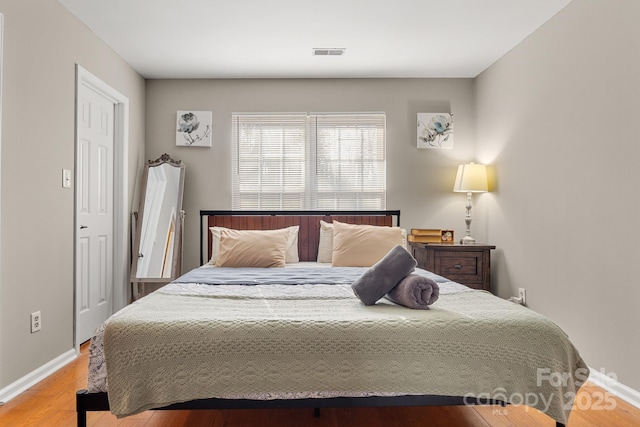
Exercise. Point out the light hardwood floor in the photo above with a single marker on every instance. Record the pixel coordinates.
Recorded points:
(51, 403)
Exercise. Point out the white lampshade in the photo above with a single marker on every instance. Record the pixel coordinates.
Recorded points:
(471, 178)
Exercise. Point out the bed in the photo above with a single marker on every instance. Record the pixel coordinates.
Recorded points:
(297, 336)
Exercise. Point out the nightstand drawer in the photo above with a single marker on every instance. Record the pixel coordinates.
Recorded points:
(456, 264)
(466, 264)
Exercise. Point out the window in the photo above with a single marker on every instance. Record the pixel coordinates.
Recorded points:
(309, 162)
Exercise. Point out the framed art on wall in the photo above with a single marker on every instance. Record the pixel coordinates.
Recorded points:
(193, 128)
(435, 130)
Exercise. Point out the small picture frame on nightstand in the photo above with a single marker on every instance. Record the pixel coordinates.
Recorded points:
(446, 236)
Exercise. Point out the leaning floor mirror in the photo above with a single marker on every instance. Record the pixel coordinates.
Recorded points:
(157, 247)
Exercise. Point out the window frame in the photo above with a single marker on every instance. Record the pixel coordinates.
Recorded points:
(311, 196)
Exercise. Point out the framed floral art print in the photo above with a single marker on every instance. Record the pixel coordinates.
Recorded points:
(193, 128)
(435, 130)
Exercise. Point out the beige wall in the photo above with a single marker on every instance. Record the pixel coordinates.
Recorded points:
(419, 182)
(558, 117)
(42, 44)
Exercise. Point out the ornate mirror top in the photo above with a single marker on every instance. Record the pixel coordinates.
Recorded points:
(165, 158)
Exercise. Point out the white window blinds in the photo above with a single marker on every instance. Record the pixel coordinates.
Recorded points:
(269, 162)
(309, 162)
(349, 168)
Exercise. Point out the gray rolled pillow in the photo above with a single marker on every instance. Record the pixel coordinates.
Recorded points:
(384, 275)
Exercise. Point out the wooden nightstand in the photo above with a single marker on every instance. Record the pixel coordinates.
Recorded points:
(466, 264)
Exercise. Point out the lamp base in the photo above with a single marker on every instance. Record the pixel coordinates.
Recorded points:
(467, 240)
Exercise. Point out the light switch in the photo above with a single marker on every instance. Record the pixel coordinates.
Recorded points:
(66, 178)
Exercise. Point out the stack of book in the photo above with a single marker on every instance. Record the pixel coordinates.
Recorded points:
(428, 235)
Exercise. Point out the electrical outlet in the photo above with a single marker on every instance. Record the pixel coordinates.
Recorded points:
(522, 294)
(36, 321)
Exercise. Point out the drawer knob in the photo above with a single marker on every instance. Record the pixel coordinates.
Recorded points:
(457, 266)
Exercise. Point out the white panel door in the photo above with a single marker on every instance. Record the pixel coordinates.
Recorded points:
(94, 211)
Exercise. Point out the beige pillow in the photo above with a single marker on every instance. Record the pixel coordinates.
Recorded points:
(292, 243)
(325, 244)
(362, 245)
(252, 248)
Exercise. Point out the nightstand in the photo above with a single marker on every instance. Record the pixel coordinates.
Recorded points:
(466, 264)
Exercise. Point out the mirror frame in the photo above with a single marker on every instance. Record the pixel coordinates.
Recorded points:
(176, 265)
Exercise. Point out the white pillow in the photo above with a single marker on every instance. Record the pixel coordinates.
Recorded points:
(325, 244)
(292, 244)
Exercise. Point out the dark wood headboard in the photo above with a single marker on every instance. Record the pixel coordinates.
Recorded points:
(309, 222)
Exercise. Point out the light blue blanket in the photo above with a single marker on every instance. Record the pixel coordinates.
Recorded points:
(282, 276)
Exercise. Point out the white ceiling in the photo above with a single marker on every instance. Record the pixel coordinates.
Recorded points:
(275, 38)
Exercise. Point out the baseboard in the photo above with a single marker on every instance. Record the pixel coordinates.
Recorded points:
(34, 377)
(614, 387)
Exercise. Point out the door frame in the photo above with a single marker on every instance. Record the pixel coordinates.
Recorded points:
(120, 276)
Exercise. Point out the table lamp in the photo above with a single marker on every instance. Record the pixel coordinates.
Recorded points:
(471, 178)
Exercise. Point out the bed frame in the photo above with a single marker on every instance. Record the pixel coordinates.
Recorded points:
(309, 222)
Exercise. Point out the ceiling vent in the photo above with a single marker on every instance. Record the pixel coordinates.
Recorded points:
(339, 51)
